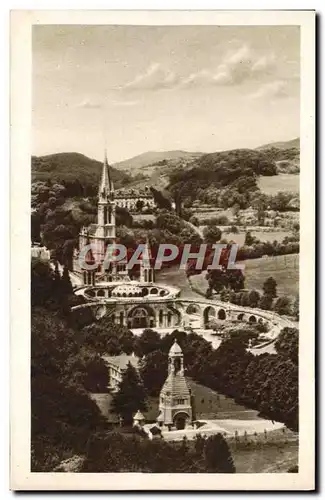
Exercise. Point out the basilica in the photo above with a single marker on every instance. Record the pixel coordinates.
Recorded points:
(141, 303)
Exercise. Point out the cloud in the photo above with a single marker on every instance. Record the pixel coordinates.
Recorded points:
(154, 78)
(277, 89)
(236, 67)
(243, 64)
(89, 104)
(93, 104)
(122, 104)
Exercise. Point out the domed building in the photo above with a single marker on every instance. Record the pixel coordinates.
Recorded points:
(175, 400)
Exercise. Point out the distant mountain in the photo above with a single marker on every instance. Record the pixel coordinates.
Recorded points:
(154, 158)
(73, 168)
(293, 143)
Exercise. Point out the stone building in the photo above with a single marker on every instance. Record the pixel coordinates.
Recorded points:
(116, 365)
(175, 400)
(102, 233)
(135, 200)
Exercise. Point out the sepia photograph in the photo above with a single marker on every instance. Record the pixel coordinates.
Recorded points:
(166, 232)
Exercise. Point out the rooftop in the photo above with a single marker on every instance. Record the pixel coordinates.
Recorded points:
(175, 348)
(121, 361)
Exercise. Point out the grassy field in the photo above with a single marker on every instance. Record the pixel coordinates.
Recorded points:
(283, 268)
(281, 182)
(176, 277)
(239, 238)
(269, 457)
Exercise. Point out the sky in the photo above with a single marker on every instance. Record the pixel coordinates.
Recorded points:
(133, 89)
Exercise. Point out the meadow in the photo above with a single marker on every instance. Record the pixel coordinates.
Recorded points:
(283, 268)
(281, 182)
(239, 237)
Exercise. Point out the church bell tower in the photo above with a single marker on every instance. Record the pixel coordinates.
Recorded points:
(105, 233)
(175, 402)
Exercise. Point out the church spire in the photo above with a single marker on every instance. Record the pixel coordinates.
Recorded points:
(146, 269)
(106, 184)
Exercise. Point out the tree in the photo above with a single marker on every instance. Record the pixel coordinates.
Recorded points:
(249, 239)
(66, 286)
(217, 455)
(295, 308)
(42, 284)
(254, 298)
(212, 234)
(139, 205)
(216, 279)
(148, 342)
(130, 397)
(270, 287)
(287, 343)
(161, 200)
(235, 278)
(283, 305)
(123, 217)
(62, 414)
(266, 302)
(199, 445)
(153, 371)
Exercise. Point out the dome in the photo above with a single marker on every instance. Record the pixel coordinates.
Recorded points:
(175, 349)
(127, 290)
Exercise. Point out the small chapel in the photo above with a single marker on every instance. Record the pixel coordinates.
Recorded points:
(175, 400)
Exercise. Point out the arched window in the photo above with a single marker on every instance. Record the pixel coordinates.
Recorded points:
(101, 293)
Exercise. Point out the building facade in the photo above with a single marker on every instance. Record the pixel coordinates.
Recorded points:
(116, 366)
(135, 200)
(175, 400)
(102, 233)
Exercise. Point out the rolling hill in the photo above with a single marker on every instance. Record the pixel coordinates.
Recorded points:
(73, 168)
(294, 143)
(153, 159)
(286, 155)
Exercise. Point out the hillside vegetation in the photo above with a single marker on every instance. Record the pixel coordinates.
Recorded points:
(154, 159)
(229, 175)
(78, 173)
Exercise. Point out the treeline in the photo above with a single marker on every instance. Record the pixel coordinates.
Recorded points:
(63, 370)
(118, 452)
(233, 173)
(78, 173)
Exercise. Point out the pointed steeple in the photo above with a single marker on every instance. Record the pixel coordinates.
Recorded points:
(146, 269)
(106, 184)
